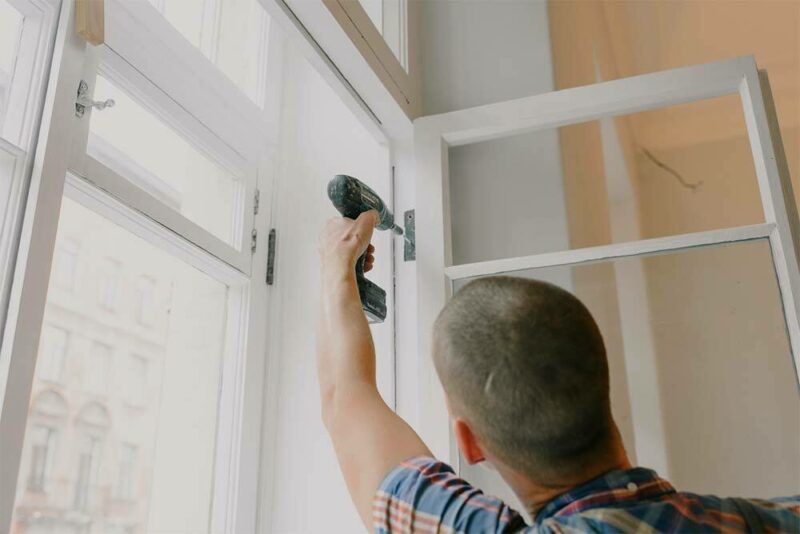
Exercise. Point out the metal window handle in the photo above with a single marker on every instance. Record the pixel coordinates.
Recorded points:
(83, 101)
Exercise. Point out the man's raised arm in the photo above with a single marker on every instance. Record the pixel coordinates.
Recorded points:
(369, 438)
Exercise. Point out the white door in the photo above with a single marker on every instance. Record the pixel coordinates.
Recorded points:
(647, 285)
(141, 267)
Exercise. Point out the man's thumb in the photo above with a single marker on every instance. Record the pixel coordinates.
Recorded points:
(368, 219)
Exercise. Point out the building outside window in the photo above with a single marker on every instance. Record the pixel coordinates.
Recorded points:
(42, 450)
(52, 354)
(66, 265)
(109, 284)
(97, 365)
(145, 301)
(125, 488)
(137, 380)
(88, 460)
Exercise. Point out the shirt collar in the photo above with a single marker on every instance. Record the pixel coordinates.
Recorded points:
(619, 486)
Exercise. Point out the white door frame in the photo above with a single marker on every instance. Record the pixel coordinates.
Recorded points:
(433, 135)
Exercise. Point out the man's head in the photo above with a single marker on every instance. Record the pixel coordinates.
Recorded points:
(524, 367)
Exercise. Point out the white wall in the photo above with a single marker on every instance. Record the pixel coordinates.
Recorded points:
(302, 487)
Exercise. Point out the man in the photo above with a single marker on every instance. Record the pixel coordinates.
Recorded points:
(526, 379)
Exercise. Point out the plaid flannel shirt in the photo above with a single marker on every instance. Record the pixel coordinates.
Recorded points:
(424, 495)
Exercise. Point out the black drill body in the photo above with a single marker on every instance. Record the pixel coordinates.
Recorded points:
(352, 198)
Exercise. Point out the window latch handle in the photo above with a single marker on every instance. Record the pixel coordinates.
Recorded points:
(83, 101)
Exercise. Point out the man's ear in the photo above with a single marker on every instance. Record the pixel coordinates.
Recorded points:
(467, 442)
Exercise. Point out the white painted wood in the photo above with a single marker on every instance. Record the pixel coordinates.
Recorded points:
(119, 187)
(61, 149)
(140, 35)
(282, 16)
(607, 252)
(580, 104)
(21, 124)
(26, 92)
(777, 197)
(432, 252)
(29, 290)
(435, 134)
(399, 81)
(314, 29)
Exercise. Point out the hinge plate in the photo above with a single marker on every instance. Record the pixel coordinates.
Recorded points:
(271, 257)
(410, 237)
(253, 240)
(80, 107)
(256, 201)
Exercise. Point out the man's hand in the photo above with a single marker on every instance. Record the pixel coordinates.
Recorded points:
(369, 438)
(344, 240)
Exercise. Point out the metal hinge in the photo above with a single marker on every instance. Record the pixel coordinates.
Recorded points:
(409, 236)
(253, 240)
(271, 257)
(256, 201)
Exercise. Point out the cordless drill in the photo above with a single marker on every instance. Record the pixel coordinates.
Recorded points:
(352, 198)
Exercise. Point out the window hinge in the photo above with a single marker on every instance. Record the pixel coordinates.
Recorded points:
(256, 201)
(271, 257)
(253, 240)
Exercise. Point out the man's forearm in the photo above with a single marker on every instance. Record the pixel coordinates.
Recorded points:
(347, 354)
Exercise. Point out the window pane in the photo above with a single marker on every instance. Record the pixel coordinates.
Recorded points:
(125, 439)
(133, 142)
(242, 45)
(10, 31)
(703, 386)
(674, 170)
(390, 19)
(232, 34)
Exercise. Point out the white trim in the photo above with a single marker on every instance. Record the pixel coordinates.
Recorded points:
(37, 237)
(26, 96)
(581, 104)
(122, 188)
(644, 247)
(312, 27)
(112, 208)
(137, 32)
(777, 197)
(30, 71)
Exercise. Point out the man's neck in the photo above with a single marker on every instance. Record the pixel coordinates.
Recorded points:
(534, 495)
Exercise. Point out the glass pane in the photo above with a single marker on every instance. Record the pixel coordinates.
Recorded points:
(232, 34)
(242, 45)
(10, 32)
(703, 386)
(8, 164)
(390, 19)
(123, 415)
(136, 144)
(652, 174)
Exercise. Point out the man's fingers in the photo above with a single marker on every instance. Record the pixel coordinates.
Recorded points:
(371, 249)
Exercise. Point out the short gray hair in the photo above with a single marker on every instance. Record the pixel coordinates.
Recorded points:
(525, 364)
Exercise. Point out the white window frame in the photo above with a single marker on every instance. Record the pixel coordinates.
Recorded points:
(433, 135)
(20, 125)
(213, 113)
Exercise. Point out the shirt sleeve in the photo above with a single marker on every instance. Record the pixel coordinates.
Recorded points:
(424, 495)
